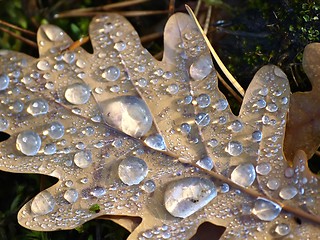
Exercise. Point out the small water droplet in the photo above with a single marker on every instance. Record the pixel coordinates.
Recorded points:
(4, 81)
(129, 114)
(53, 33)
(261, 103)
(43, 203)
(50, 149)
(202, 119)
(38, 107)
(77, 93)
(185, 128)
(4, 124)
(205, 163)
(111, 74)
(83, 159)
(186, 196)
(149, 186)
(236, 126)
(263, 91)
(244, 174)
(120, 46)
(221, 105)
(234, 148)
(282, 229)
(98, 192)
(81, 63)
(28, 142)
(273, 184)
(69, 57)
(203, 100)
(288, 192)
(266, 210)
(201, 68)
(224, 188)
(172, 89)
(142, 82)
(156, 142)
(213, 143)
(71, 195)
(272, 107)
(56, 130)
(257, 136)
(17, 106)
(263, 168)
(43, 65)
(132, 170)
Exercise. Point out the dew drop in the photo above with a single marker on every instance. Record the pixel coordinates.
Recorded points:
(38, 107)
(261, 103)
(120, 46)
(17, 106)
(203, 100)
(43, 203)
(77, 93)
(53, 33)
(224, 188)
(257, 136)
(4, 124)
(56, 130)
(202, 119)
(234, 148)
(201, 68)
(83, 159)
(43, 65)
(186, 196)
(4, 81)
(272, 107)
(263, 168)
(28, 142)
(132, 170)
(50, 149)
(213, 143)
(273, 184)
(221, 105)
(71, 195)
(185, 128)
(111, 74)
(172, 89)
(244, 174)
(266, 210)
(156, 142)
(149, 186)
(288, 192)
(98, 192)
(205, 163)
(236, 126)
(129, 114)
(282, 229)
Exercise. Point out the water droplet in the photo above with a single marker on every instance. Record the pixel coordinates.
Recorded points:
(263, 91)
(83, 159)
(184, 197)
(149, 186)
(221, 105)
(132, 170)
(224, 188)
(172, 89)
(156, 142)
(81, 63)
(17, 106)
(129, 114)
(202, 119)
(111, 74)
(120, 46)
(205, 163)
(213, 143)
(71, 195)
(38, 107)
(201, 68)
(188, 99)
(28, 142)
(263, 168)
(185, 128)
(244, 174)
(261, 103)
(98, 192)
(273, 184)
(289, 172)
(203, 100)
(234, 148)
(236, 126)
(50, 149)
(56, 130)
(43, 65)
(4, 124)
(142, 82)
(272, 107)
(4, 81)
(43, 203)
(257, 136)
(288, 192)
(282, 229)
(53, 33)
(69, 57)
(266, 210)
(77, 93)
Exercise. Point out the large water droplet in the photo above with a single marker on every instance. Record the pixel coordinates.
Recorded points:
(53, 33)
(28, 142)
(83, 159)
(129, 114)
(56, 130)
(266, 210)
(43, 203)
(4, 81)
(156, 142)
(77, 93)
(282, 229)
(111, 74)
(244, 174)
(234, 148)
(4, 124)
(132, 170)
(288, 192)
(205, 163)
(38, 107)
(71, 195)
(201, 67)
(184, 197)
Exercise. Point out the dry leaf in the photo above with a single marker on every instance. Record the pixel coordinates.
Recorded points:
(127, 135)
(303, 128)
